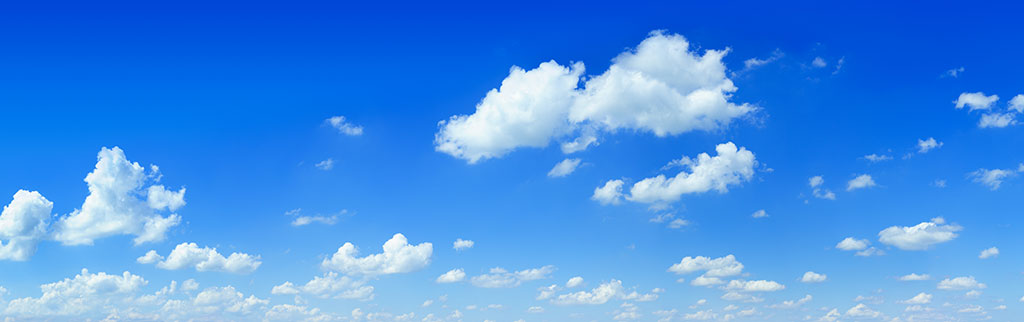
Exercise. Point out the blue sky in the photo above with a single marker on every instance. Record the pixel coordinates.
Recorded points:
(295, 141)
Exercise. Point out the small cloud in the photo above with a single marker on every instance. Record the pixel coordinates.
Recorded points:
(325, 164)
(344, 127)
(923, 146)
(860, 182)
(462, 244)
(812, 277)
(874, 158)
(988, 253)
(954, 73)
(819, 62)
(564, 168)
(760, 214)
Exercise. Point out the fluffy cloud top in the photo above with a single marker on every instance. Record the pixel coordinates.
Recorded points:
(812, 277)
(920, 298)
(398, 257)
(990, 252)
(499, 277)
(602, 294)
(818, 191)
(860, 182)
(330, 285)
(661, 87)
(717, 267)
(915, 277)
(118, 204)
(77, 295)
(574, 282)
(993, 178)
(850, 243)
(919, 237)
(975, 101)
(960, 283)
(610, 193)
(754, 286)
(452, 276)
(923, 146)
(23, 224)
(203, 259)
(462, 244)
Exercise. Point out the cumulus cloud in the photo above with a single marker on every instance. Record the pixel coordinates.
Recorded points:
(602, 294)
(203, 259)
(500, 278)
(860, 182)
(330, 285)
(923, 146)
(452, 276)
(850, 243)
(23, 223)
(302, 220)
(955, 72)
(975, 101)
(990, 252)
(610, 193)
(661, 87)
(343, 126)
(919, 237)
(398, 257)
(993, 178)
(789, 304)
(862, 311)
(997, 120)
(960, 283)
(1017, 103)
(915, 277)
(462, 244)
(760, 214)
(325, 164)
(731, 166)
(874, 158)
(818, 190)
(115, 204)
(712, 267)
(574, 282)
(754, 286)
(812, 277)
(920, 298)
(564, 168)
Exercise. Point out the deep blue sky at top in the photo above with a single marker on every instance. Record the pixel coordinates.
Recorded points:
(229, 99)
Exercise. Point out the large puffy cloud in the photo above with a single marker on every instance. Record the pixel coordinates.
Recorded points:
(398, 257)
(203, 259)
(661, 87)
(23, 224)
(330, 285)
(602, 294)
(920, 236)
(499, 277)
(119, 203)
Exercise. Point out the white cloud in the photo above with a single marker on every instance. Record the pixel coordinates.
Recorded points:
(756, 62)
(990, 252)
(343, 126)
(535, 309)
(960, 283)
(462, 244)
(678, 223)
(1017, 103)
(923, 146)
(789, 304)
(996, 120)
(717, 267)
(398, 257)
(862, 311)
(915, 277)
(819, 62)
(992, 178)
(976, 101)
(812, 277)
(754, 286)
(920, 298)
(955, 72)
(564, 168)
(330, 285)
(325, 164)
(602, 294)
(877, 158)
(23, 224)
(75, 296)
(731, 166)
(610, 193)
(452, 276)
(500, 278)
(203, 259)
(860, 182)
(706, 281)
(919, 237)
(302, 220)
(850, 243)
(114, 205)
(574, 282)
(818, 191)
(661, 87)
(760, 214)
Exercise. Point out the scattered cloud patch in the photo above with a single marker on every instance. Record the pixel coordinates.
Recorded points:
(812, 277)
(500, 278)
(325, 164)
(462, 244)
(452, 276)
(398, 257)
(989, 253)
(960, 283)
(202, 259)
(860, 182)
(921, 236)
(343, 126)
(564, 168)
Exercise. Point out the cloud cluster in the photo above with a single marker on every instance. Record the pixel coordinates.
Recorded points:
(991, 118)
(602, 294)
(661, 87)
(921, 236)
(398, 257)
(202, 259)
(500, 278)
(23, 224)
